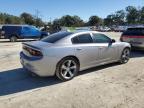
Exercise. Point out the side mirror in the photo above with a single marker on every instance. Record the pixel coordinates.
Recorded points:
(113, 41)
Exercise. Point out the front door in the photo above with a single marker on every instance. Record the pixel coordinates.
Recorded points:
(107, 50)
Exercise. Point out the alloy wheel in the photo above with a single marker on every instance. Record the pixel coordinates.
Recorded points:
(68, 69)
(125, 55)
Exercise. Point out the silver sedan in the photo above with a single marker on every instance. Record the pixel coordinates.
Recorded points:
(64, 54)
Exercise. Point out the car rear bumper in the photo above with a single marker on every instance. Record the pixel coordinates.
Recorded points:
(137, 45)
(38, 66)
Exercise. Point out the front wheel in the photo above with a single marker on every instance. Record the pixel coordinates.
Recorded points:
(67, 69)
(125, 56)
(13, 38)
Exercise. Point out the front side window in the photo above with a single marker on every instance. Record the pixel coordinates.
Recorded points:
(101, 38)
(26, 29)
(84, 38)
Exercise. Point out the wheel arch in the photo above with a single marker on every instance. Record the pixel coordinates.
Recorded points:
(14, 35)
(72, 56)
(127, 48)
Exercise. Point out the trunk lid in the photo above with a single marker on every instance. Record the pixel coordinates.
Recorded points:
(36, 45)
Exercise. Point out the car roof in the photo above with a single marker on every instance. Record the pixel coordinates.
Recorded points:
(135, 28)
(75, 33)
(83, 32)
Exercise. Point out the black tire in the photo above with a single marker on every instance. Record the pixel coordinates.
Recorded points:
(13, 38)
(125, 56)
(67, 73)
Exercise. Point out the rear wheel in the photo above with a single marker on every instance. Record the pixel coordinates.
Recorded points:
(125, 56)
(67, 69)
(13, 38)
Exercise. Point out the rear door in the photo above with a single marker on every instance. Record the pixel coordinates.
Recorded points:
(86, 50)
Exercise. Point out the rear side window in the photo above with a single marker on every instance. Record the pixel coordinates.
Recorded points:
(11, 29)
(84, 38)
(101, 38)
(56, 37)
(26, 28)
(134, 32)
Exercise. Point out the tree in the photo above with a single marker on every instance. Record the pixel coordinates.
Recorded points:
(8, 20)
(39, 22)
(28, 18)
(119, 17)
(142, 15)
(109, 21)
(67, 21)
(78, 21)
(133, 15)
(95, 21)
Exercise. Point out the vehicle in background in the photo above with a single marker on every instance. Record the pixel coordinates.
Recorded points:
(120, 28)
(104, 29)
(64, 54)
(0, 31)
(134, 36)
(14, 32)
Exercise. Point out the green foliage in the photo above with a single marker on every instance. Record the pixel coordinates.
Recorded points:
(69, 21)
(118, 18)
(131, 15)
(25, 18)
(142, 15)
(10, 19)
(95, 21)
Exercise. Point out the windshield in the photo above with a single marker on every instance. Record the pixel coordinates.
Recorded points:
(56, 37)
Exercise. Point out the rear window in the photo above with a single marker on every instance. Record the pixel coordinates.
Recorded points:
(56, 37)
(134, 32)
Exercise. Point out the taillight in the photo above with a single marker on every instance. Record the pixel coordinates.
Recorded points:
(121, 38)
(33, 52)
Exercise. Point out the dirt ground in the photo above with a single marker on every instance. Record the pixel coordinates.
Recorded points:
(109, 86)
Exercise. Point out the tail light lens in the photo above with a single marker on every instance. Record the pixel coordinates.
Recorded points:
(121, 38)
(33, 52)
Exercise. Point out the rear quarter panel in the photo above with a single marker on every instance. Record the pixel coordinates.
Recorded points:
(57, 53)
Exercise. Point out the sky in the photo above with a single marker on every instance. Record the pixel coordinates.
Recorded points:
(51, 9)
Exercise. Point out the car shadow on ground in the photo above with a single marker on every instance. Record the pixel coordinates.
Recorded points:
(137, 53)
(19, 80)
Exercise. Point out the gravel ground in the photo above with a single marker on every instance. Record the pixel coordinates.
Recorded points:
(109, 86)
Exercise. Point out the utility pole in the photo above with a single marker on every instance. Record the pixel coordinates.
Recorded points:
(37, 15)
